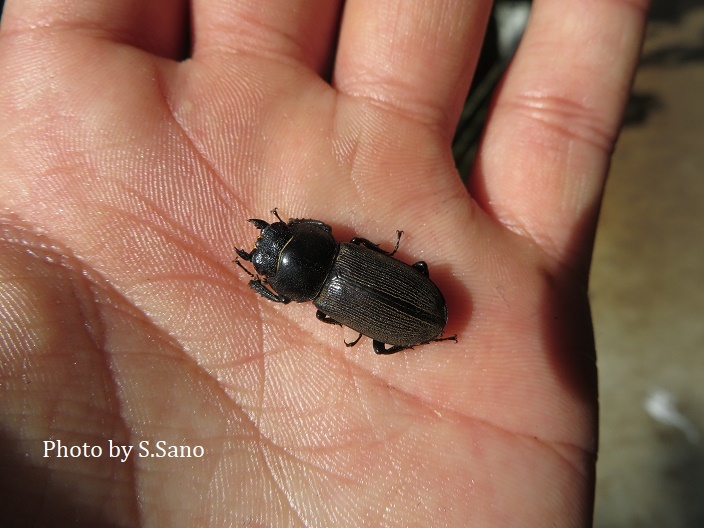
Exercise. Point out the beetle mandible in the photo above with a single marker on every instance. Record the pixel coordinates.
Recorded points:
(355, 284)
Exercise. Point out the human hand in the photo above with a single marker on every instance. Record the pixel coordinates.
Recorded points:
(126, 177)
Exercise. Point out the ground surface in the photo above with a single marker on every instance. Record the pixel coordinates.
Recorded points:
(648, 286)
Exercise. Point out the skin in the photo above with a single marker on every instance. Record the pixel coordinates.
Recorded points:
(126, 178)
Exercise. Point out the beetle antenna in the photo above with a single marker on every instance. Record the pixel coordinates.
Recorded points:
(275, 212)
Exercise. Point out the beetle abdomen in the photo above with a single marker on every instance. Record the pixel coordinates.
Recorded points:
(382, 298)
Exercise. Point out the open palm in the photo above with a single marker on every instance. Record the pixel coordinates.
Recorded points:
(127, 176)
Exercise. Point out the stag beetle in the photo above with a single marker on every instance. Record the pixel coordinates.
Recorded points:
(355, 284)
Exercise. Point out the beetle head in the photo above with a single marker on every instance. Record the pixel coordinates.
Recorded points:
(272, 240)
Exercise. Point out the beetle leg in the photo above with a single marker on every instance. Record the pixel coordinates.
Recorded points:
(353, 343)
(265, 292)
(325, 318)
(366, 243)
(316, 223)
(371, 245)
(422, 267)
(257, 285)
(380, 348)
(448, 338)
(398, 241)
(291, 221)
(322, 316)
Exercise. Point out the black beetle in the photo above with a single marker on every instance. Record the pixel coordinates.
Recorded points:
(354, 284)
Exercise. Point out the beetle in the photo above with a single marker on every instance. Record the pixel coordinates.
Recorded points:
(356, 284)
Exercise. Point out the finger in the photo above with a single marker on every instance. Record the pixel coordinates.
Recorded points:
(157, 26)
(544, 157)
(283, 29)
(413, 57)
